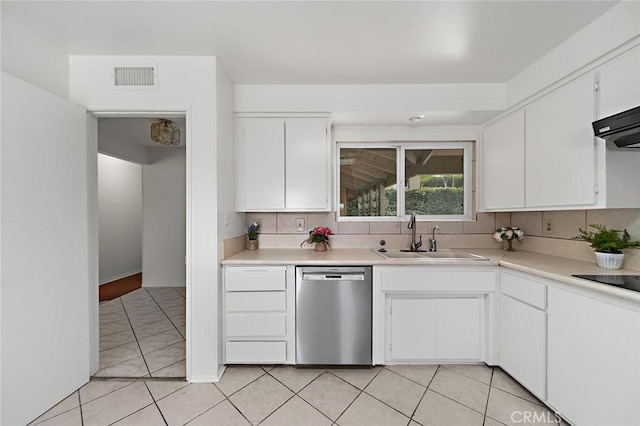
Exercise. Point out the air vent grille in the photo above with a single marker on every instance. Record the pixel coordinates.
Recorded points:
(134, 77)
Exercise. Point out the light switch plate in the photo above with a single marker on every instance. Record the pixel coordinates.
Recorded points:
(300, 224)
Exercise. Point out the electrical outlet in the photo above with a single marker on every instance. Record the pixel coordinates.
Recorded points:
(300, 224)
(548, 227)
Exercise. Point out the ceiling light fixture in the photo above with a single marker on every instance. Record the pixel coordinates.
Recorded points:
(416, 118)
(165, 132)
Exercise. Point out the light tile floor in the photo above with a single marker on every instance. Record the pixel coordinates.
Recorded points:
(142, 334)
(457, 395)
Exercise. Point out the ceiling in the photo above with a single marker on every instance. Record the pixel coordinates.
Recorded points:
(341, 42)
(136, 130)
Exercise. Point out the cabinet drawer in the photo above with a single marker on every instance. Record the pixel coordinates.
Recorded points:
(524, 290)
(248, 301)
(256, 325)
(256, 352)
(255, 278)
(407, 278)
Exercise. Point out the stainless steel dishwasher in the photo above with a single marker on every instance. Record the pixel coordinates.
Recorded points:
(333, 315)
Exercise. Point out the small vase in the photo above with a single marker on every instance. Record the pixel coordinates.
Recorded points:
(252, 244)
(321, 246)
(609, 260)
(509, 245)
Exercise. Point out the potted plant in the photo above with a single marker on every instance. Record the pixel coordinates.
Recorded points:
(508, 234)
(252, 236)
(319, 236)
(608, 245)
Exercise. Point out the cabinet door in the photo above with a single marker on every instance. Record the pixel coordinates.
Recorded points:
(560, 147)
(307, 164)
(413, 329)
(593, 360)
(620, 84)
(523, 346)
(503, 163)
(458, 329)
(264, 171)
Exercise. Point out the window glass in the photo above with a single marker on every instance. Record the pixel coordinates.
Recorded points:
(434, 181)
(368, 182)
(394, 180)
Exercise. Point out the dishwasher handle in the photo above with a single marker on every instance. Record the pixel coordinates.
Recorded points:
(332, 277)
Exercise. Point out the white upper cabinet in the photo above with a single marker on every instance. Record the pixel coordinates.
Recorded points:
(544, 156)
(263, 161)
(503, 163)
(283, 164)
(560, 147)
(307, 163)
(620, 84)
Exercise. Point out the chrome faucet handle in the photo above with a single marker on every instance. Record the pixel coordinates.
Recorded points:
(419, 243)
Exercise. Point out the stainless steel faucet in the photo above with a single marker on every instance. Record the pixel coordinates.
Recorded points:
(415, 245)
(433, 246)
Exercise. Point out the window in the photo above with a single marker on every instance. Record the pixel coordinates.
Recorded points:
(389, 181)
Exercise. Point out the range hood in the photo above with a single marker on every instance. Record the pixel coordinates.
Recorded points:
(623, 129)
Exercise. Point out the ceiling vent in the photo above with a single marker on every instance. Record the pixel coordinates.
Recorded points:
(135, 77)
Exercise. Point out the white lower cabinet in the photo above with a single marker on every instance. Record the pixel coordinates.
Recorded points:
(435, 329)
(523, 331)
(258, 315)
(413, 329)
(593, 360)
(432, 314)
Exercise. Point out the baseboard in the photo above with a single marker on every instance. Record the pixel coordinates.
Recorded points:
(119, 277)
(204, 379)
(147, 285)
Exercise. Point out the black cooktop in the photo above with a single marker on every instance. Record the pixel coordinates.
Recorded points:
(630, 282)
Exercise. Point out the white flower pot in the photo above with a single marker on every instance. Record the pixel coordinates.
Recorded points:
(609, 260)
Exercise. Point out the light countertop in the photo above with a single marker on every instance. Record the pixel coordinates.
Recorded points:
(551, 267)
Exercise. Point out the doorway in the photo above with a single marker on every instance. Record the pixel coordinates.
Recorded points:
(142, 245)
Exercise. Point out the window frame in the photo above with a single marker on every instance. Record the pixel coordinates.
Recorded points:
(401, 147)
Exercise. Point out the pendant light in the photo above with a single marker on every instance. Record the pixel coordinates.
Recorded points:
(165, 132)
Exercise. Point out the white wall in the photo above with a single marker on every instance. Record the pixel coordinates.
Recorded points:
(45, 292)
(32, 58)
(617, 26)
(188, 84)
(164, 224)
(373, 103)
(118, 147)
(119, 218)
(230, 223)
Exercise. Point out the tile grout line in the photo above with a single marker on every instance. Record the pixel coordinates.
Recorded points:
(165, 314)
(489, 394)
(204, 412)
(541, 404)
(423, 395)
(80, 405)
(297, 393)
(357, 396)
(156, 402)
(137, 342)
(236, 391)
(161, 309)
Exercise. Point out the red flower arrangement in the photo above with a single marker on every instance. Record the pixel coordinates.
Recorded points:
(319, 234)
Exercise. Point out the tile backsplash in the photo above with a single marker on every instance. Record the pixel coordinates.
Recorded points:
(278, 230)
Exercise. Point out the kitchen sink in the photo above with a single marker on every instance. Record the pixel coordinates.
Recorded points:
(430, 255)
